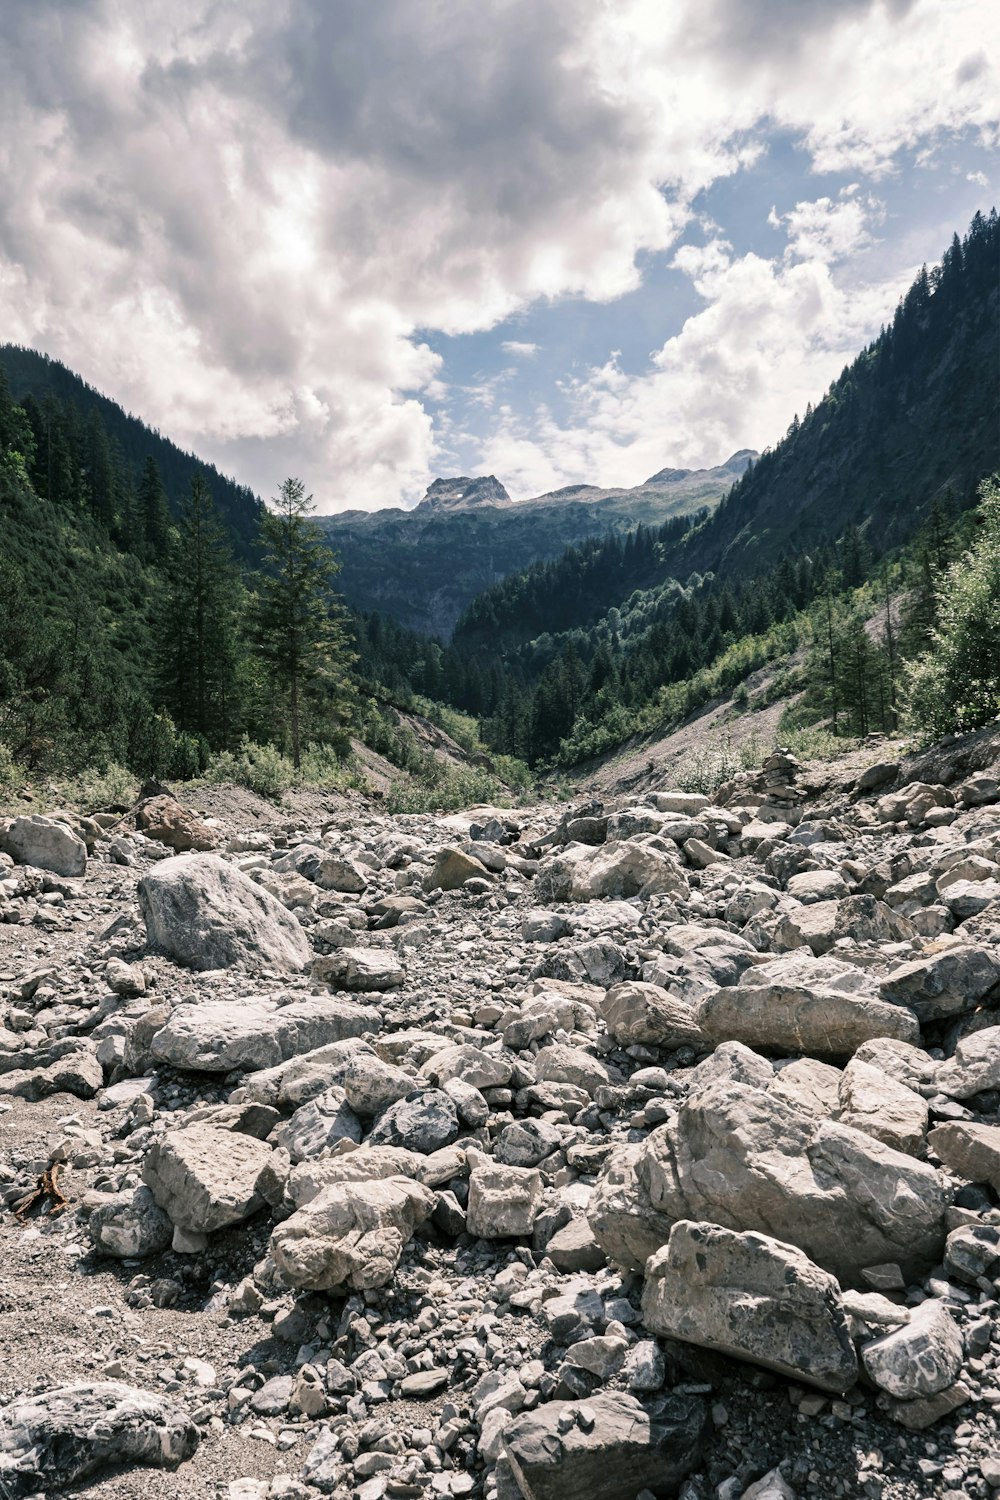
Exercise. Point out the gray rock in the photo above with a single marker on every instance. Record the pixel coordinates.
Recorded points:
(45, 843)
(944, 984)
(54, 1439)
(607, 1447)
(920, 1358)
(526, 1142)
(751, 1297)
(884, 1109)
(739, 1157)
(130, 1225)
(360, 970)
(424, 1121)
(647, 1014)
(351, 1234)
(452, 868)
(318, 1125)
(971, 1151)
(616, 870)
(972, 1251)
(225, 1036)
(975, 1066)
(205, 1179)
(503, 1201)
(206, 914)
(819, 1006)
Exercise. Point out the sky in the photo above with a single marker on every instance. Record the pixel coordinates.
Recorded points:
(369, 242)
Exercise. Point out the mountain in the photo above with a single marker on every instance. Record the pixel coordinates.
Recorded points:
(423, 567)
(464, 493)
(75, 407)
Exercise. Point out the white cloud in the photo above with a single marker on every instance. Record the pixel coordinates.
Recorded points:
(521, 351)
(239, 218)
(773, 335)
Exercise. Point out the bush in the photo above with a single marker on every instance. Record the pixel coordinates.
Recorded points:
(99, 787)
(328, 771)
(446, 788)
(955, 685)
(259, 768)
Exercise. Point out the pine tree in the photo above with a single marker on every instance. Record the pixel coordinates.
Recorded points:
(153, 513)
(199, 675)
(301, 625)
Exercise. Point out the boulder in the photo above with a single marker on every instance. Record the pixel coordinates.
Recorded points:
(360, 970)
(794, 1004)
(636, 1012)
(969, 1150)
(740, 1157)
(944, 984)
(206, 914)
(222, 1036)
(452, 868)
(975, 1067)
(54, 1439)
(318, 1125)
(616, 870)
(608, 1447)
(424, 1121)
(168, 822)
(888, 1111)
(503, 1201)
(350, 1235)
(45, 843)
(205, 1178)
(753, 1298)
(130, 1225)
(920, 1358)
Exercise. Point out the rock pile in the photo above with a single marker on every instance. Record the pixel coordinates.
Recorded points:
(621, 1153)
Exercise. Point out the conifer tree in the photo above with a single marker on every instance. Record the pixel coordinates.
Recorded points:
(301, 625)
(153, 512)
(199, 675)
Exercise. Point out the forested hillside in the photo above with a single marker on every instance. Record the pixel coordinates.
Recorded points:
(91, 455)
(424, 567)
(863, 499)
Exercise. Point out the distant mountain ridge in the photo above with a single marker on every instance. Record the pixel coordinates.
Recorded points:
(425, 566)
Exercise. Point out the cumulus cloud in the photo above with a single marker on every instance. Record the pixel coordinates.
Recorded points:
(244, 219)
(771, 337)
(519, 350)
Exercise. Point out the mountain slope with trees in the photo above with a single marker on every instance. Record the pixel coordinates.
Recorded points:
(425, 566)
(91, 455)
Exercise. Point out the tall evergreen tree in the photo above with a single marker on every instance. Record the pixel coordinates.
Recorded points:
(199, 675)
(153, 512)
(301, 624)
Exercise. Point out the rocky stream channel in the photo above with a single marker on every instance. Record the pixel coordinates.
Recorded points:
(589, 1152)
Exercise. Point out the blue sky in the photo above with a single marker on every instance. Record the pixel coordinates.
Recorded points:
(368, 245)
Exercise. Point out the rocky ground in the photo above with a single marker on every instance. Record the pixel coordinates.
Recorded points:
(601, 1152)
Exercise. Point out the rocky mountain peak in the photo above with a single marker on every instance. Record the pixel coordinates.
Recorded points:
(462, 493)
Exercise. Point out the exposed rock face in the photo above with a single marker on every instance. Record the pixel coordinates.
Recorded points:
(754, 1298)
(66, 1434)
(206, 914)
(44, 843)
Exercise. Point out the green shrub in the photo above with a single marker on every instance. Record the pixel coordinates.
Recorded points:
(98, 787)
(326, 770)
(446, 788)
(955, 685)
(260, 768)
